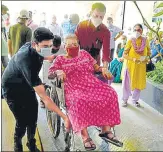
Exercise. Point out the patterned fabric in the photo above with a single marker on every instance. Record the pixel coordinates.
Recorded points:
(90, 102)
(116, 67)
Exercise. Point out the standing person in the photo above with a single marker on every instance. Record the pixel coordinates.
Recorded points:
(4, 55)
(74, 20)
(136, 52)
(116, 33)
(7, 25)
(20, 81)
(65, 25)
(4, 18)
(55, 28)
(43, 20)
(93, 36)
(30, 23)
(19, 33)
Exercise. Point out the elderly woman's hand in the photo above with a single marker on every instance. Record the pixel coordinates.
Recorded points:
(106, 74)
(61, 75)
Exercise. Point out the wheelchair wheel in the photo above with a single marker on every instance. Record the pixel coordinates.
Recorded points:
(54, 121)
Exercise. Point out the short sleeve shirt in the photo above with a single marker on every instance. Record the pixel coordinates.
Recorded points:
(114, 30)
(22, 72)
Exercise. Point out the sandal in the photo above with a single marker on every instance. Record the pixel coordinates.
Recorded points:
(112, 140)
(92, 147)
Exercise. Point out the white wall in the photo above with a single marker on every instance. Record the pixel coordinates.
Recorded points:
(114, 9)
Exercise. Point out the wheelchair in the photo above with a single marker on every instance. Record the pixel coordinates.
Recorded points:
(55, 90)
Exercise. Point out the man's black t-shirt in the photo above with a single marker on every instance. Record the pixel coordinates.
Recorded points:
(22, 73)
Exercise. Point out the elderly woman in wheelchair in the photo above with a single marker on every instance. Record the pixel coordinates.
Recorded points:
(89, 101)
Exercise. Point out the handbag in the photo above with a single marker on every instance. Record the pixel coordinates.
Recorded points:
(150, 66)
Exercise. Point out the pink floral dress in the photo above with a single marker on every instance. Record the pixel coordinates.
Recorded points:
(89, 101)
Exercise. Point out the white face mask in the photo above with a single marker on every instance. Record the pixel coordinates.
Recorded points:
(136, 35)
(4, 17)
(96, 21)
(45, 52)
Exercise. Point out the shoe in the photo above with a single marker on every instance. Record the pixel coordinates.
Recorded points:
(137, 104)
(18, 146)
(124, 104)
(32, 147)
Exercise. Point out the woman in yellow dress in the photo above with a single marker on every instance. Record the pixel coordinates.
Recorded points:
(136, 53)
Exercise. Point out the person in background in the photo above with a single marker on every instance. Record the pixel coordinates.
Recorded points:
(156, 50)
(94, 36)
(4, 51)
(55, 28)
(74, 20)
(19, 33)
(117, 63)
(65, 25)
(136, 53)
(4, 16)
(116, 33)
(7, 25)
(46, 65)
(31, 24)
(20, 81)
(43, 20)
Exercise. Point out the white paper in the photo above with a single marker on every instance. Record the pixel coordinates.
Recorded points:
(142, 58)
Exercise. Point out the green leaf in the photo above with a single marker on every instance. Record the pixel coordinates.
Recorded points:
(158, 14)
(159, 5)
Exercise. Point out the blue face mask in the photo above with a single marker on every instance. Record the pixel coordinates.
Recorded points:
(45, 52)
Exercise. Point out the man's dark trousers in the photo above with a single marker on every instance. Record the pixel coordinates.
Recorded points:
(25, 110)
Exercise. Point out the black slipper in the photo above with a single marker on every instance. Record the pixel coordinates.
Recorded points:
(111, 140)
